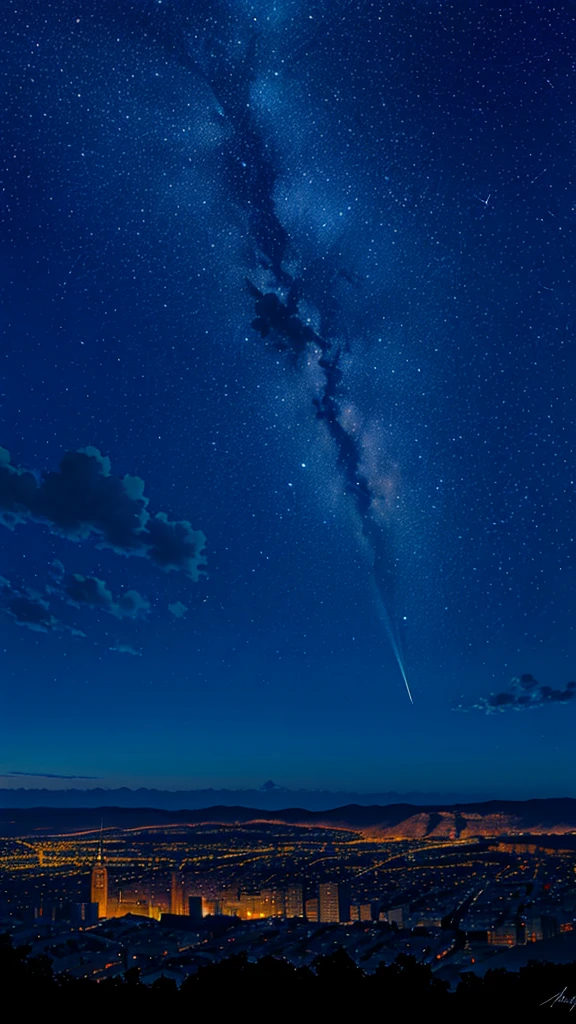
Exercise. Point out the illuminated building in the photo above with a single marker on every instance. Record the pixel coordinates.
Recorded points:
(362, 912)
(272, 903)
(328, 903)
(233, 908)
(504, 935)
(311, 910)
(255, 906)
(177, 897)
(294, 901)
(99, 884)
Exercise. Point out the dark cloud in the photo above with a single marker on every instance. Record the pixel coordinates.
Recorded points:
(83, 499)
(524, 692)
(178, 609)
(31, 609)
(78, 590)
(47, 775)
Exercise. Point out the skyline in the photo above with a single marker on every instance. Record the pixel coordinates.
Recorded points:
(287, 397)
(448, 893)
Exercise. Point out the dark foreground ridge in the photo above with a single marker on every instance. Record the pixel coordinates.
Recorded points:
(332, 984)
(493, 818)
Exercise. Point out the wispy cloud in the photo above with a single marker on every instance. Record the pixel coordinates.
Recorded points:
(48, 775)
(31, 609)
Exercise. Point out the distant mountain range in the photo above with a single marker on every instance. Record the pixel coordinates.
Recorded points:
(395, 821)
(269, 797)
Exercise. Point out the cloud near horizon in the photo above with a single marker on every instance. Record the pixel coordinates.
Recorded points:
(524, 692)
(50, 775)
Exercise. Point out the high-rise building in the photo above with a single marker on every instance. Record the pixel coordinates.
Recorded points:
(344, 902)
(312, 910)
(272, 901)
(99, 886)
(177, 894)
(360, 912)
(294, 901)
(99, 882)
(328, 904)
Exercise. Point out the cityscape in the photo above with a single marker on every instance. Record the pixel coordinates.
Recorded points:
(172, 899)
(288, 493)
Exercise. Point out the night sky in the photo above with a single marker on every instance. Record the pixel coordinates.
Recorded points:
(288, 391)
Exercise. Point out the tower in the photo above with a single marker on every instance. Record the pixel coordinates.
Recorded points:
(294, 901)
(177, 894)
(99, 883)
(329, 902)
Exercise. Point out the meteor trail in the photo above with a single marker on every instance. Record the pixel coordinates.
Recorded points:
(385, 617)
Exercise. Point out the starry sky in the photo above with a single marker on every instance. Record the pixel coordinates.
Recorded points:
(287, 394)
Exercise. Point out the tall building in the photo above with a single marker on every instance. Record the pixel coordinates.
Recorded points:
(344, 902)
(360, 912)
(177, 894)
(328, 903)
(272, 903)
(99, 885)
(312, 910)
(294, 901)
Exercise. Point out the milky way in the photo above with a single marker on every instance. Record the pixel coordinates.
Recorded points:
(252, 171)
(307, 271)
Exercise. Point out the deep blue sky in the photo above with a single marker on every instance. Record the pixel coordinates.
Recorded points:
(411, 167)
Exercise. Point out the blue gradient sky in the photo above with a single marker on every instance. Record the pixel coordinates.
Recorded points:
(419, 159)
